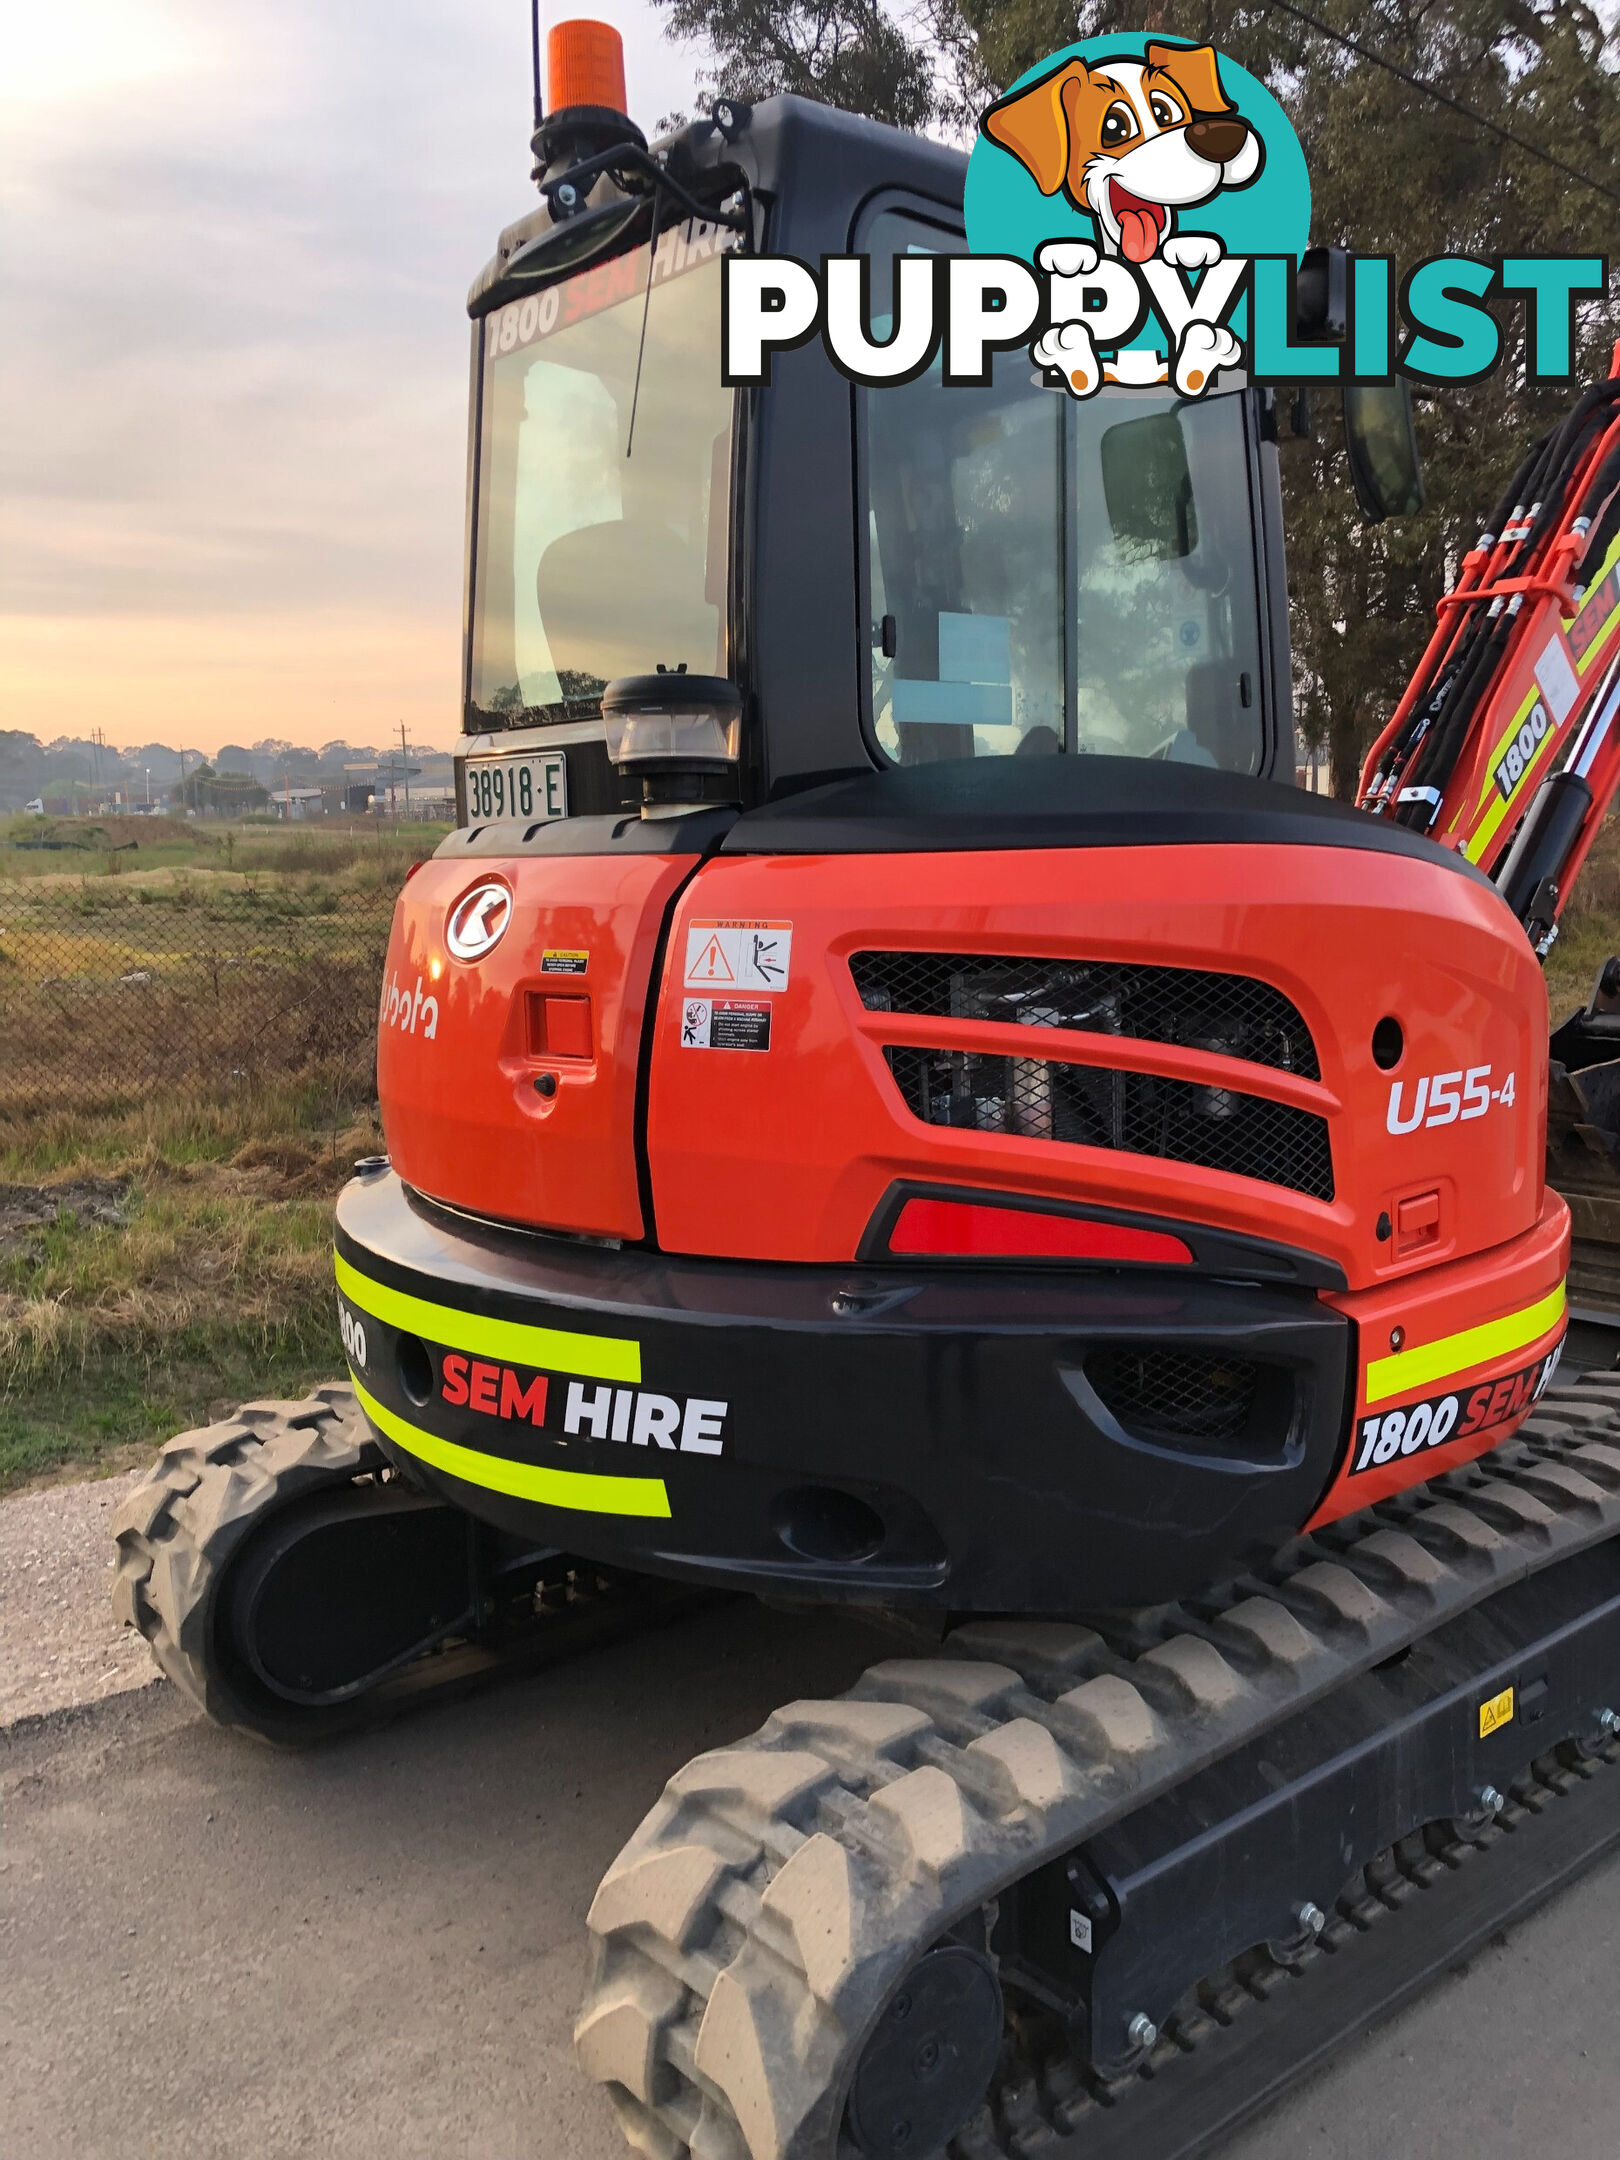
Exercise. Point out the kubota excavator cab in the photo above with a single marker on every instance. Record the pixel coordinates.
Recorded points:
(888, 1097)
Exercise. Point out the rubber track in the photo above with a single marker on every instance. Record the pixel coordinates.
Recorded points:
(177, 1531)
(1217, 2063)
(749, 1935)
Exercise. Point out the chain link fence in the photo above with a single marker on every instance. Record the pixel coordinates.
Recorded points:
(112, 991)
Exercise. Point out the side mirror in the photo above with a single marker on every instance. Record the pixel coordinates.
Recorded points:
(1381, 444)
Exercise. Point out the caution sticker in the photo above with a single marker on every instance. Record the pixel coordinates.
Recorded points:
(726, 956)
(1496, 1713)
(564, 963)
(725, 1024)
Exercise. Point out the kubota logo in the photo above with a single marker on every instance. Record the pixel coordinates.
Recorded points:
(478, 921)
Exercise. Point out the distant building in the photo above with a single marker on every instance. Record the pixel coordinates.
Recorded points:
(360, 786)
(297, 802)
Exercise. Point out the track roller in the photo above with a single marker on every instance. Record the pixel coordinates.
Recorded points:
(929, 2063)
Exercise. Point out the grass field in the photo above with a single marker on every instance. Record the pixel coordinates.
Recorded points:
(186, 1024)
(166, 1194)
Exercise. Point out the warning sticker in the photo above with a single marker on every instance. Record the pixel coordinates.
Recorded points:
(725, 1024)
(564, 963)
(738, 955)
(1496, 1713)
(1557, 679)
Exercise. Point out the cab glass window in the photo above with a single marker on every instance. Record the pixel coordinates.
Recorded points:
(1048, 575)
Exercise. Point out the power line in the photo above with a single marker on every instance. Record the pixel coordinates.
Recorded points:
(1429, 89)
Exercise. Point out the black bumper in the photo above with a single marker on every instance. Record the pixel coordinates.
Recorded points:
(971, 1439)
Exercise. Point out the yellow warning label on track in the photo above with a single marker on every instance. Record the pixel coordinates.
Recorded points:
(1496, 1713)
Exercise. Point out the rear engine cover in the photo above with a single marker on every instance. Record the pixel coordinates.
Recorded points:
(509, 1032)
(829, 1026)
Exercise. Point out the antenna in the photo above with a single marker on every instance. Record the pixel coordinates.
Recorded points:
(534, 58)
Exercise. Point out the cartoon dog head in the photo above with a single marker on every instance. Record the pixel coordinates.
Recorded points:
(1130, 140)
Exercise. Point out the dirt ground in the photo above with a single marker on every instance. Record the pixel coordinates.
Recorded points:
(59, 1647)
(209, 1951)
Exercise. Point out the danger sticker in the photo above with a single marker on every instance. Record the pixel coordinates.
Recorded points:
(725, 1024)
(564, 963)
(722, 956)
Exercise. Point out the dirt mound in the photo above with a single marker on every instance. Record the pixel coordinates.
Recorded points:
(288, 1170)
(81, 1200)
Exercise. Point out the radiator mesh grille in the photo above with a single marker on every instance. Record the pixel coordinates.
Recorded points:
(1228, 1014)
(1182, 1121)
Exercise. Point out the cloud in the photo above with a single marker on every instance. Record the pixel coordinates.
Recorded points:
(238, 247)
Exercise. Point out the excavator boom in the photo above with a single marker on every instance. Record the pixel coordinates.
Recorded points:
(1504, 745)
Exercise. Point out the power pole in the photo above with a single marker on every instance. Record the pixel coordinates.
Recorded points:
(405, 766)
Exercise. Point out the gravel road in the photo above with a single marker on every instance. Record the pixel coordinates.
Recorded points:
(58, 1644)
(212, 1952)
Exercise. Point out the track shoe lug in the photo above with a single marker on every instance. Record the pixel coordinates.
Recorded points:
(663, 1891)
(1032, 1770)
(1561, 1485)
(1268, 1631)
(617, 2039)
(935, 1815)
(1115, 1719)
(847, 1731)
(1453, 1529)
(1400, 1557)
(760, 1780)
(945, 1686)
(816, 1897)
(1037, 1649)
(1338, 1597)
(1204, 1682)
(1520, 1512)
(746, 2050)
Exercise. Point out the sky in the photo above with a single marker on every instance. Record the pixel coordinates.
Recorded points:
(237, 241)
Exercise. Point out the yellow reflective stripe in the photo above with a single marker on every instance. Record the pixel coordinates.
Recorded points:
(599, 1357)
(1591, 653)
(1485, 832)
(1486, 829)
(1455, 1354)
(1506, 736)
(579, 1489)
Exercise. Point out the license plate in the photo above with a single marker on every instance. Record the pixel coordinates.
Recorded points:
(517, 787)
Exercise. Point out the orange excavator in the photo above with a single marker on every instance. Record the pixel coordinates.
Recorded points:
(895, 1101)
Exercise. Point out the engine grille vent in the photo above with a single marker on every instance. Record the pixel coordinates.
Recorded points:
(1137, 1113)
(1228, 1014)
(1192, 1394)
